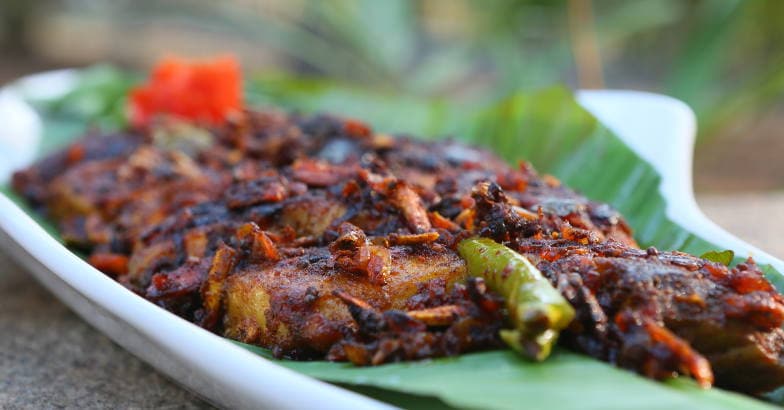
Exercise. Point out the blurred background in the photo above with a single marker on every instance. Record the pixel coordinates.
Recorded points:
(725, 58)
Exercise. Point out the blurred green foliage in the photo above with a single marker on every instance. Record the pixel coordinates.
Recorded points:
(725, 58)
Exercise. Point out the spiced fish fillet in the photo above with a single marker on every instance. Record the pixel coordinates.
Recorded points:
(318, 238)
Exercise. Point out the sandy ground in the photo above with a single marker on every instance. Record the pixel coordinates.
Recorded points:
(50, 358)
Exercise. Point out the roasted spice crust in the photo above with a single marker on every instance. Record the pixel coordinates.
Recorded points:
(318, 238)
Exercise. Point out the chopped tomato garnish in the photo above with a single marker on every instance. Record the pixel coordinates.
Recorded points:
(202, 91)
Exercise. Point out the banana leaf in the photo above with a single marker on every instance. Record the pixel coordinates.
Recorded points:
(547, 128)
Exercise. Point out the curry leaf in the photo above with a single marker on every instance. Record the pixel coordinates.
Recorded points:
(722, 257)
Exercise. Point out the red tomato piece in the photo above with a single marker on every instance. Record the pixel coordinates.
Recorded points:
(201, 91)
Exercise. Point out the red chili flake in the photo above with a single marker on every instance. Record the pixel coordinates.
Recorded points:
(204, 91)
(110, 263)
(74, 154)
(716, 270)
(356, 128)
(160, 281)
(744, 282)
(512, 181)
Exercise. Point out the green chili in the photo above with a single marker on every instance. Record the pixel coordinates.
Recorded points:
(537, 311)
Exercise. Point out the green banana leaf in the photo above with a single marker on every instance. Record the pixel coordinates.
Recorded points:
(547, 128)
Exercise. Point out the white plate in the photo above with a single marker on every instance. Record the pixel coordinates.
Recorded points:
(658, 128)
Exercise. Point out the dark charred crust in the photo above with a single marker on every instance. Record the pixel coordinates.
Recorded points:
(318, 238)
(469, 320)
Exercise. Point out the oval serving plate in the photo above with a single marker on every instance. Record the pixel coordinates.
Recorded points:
(659, 129)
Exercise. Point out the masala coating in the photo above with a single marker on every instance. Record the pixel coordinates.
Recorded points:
(659, 313)
(318, 238)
